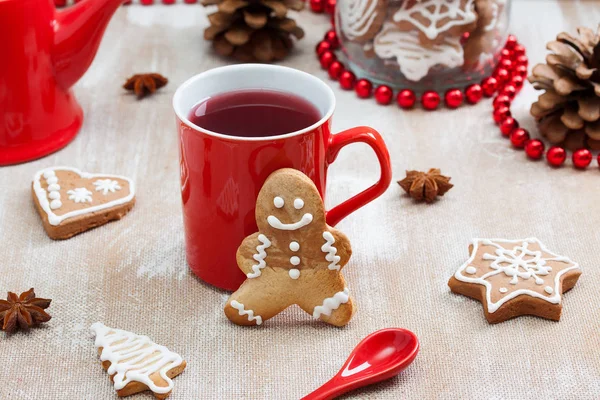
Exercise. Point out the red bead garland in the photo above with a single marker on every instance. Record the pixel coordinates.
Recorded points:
(474, 93)
(430, 100)
(347, 80)
(406, 99)
(534, 149)
(519, 137)
(556, 156)
(363, 88)
(507, 90)
(453, 98)
(330, 6)
(507, 80)
(582, 158)
(508, 125)
(384, 94)
(326, 59)
(500, 114)
(335, 70)
(322, 47)
(317, 6)
(332, 39)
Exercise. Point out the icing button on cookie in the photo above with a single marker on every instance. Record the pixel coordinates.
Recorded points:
(294, 246)
(294, 273)
(515, 277)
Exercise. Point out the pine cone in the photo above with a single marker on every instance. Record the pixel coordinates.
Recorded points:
(253, 30)
(568, 112)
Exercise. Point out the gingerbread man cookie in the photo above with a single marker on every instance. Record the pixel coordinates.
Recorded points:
(294, 258)
(515, 277)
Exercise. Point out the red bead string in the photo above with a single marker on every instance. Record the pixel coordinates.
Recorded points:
(514, 61)
(64, 3)
(508, 75)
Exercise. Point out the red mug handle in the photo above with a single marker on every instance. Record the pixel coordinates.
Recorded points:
(361, 134)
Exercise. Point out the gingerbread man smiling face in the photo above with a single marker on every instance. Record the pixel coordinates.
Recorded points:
(294, 258)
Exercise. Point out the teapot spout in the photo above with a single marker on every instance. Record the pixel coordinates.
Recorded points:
(78, 31)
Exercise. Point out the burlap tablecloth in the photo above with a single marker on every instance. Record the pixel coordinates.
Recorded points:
(133, 275)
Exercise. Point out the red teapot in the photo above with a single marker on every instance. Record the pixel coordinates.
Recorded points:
(44, 52)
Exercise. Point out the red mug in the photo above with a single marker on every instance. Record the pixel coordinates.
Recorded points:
(221, 175)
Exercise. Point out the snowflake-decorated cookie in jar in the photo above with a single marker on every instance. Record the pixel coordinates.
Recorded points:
(422, 44)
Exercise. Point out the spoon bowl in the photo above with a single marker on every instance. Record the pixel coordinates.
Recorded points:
(379, 356)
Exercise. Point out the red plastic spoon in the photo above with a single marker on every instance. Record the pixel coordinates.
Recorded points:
(379, 356)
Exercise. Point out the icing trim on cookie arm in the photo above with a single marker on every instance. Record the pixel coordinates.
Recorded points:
(331, 251)
(332, 303)
(277, 224)
(260, 256)
(242, 311)
(54, 219)
(554, 294)
(134, 358)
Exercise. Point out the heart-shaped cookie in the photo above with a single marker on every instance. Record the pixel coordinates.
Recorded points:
(70, 201)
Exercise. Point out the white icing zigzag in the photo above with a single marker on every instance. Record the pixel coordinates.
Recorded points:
(331, 251)
(356, 17)
(260, 257)
(134, 358)
(332, 303)
(240, 307)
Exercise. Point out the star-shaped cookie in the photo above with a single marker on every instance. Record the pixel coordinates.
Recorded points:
(515, 277)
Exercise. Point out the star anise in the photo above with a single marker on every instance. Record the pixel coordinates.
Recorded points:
(145, 84)
(425, 186)
(23, 311)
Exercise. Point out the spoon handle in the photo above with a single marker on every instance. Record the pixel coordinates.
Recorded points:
(328, 391)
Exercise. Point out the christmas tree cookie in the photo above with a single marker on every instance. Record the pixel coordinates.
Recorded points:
(135, 363)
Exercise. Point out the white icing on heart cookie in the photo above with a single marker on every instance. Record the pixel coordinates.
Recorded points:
(53, 195)
(413, 58)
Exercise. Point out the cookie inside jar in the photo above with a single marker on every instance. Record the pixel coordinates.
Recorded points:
(422, 44)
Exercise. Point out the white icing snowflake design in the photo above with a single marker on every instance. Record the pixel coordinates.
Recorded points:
(414, 60)
(516, 260)
(106, 185)
(80, 195)
(453, 12)
(520, 262)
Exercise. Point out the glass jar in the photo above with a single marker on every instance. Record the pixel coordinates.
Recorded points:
(422, 44)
